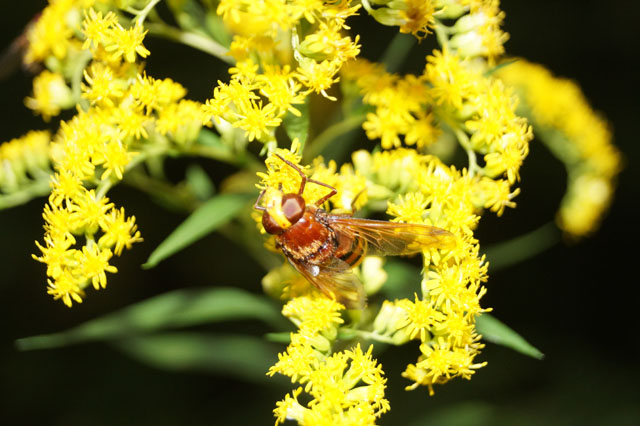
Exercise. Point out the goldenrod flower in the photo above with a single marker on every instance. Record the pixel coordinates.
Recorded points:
(582, 142)
(414, 17)
(51, 33)
(97, 28)
(24, 159)
(104, 88)
(94, 265)
(478, 33)
(119, 231)
(127, 43)
(256, 120)
(83, 228)
(181, 121)
(50, 95)
(345, 387)
(286, 52)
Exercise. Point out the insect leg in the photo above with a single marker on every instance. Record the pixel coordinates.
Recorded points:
(353, 202)
(304, 178)
(257, 205)
(326, 197)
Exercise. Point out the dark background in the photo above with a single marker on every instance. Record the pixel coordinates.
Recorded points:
(577, 303)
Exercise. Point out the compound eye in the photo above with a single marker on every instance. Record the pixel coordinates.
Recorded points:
(293, 206)
(270, 225)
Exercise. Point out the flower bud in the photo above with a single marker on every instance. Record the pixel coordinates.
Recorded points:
(373, 274)
(391, 321)
(449, 9)
(469, 44)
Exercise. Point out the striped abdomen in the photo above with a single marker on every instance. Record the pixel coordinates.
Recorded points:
(351, 249)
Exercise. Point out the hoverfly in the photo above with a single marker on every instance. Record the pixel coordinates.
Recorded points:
(324, 247)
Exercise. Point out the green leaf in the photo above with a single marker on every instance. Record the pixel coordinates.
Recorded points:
(460, 414)
(188, 14)
(210, 145)
(397, 51)
(298, 127)
(490, 71)
(211, 215)
(280, 337)
(181, 308)
(497, 332)
(403, 279)
(504, 254)
(208, 138)
(217, 28)
(246, 357)
(199, 182)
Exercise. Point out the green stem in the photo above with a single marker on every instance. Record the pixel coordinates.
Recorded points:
(76, 78)
(320, 142)
(367, 6)
(442, 34)
(142, 15)
(522, 247)
(175, 197)
(369, 335)
(197, 41)
(466, 144)
(153, 151)
(35, 189)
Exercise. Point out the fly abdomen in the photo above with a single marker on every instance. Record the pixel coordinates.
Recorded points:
(354, 256)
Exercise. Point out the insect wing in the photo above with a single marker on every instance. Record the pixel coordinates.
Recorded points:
(336, 280)
(391, 238)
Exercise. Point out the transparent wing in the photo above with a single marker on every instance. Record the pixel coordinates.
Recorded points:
(391, 238)
(336, 280)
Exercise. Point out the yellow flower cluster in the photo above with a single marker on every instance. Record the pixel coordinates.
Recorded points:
(279, 63)
(128, 118)
(401, 105)
(349, 184)
(455, 95)
(411, 16)
(476, 32)
(119, 43)
(52, 33)
(459, 96)
(283, 52)
(443, 317)
(430, 193)
(577, 135)
(344, 388)
(50, 95)
(24, 160)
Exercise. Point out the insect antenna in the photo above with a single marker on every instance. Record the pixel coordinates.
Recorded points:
(305, 179)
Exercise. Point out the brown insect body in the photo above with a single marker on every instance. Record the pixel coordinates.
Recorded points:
(324, 247)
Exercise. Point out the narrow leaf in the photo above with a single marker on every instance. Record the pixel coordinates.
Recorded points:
(188, 14)
(403, 279)
(298, 127)
(459, 414)
(210, 145)
(397, 52)
(280, 337)
(211, 215)
(522, 247)
(181, 308)
(246, 357)
(199, 182)
(490, 71)
(497, 332)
